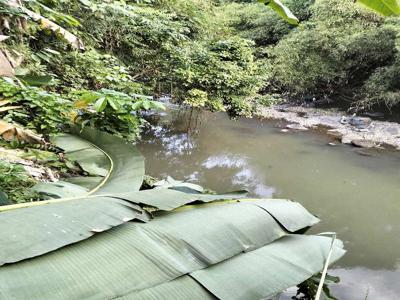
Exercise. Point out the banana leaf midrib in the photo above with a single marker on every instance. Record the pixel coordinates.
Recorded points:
(95, 189)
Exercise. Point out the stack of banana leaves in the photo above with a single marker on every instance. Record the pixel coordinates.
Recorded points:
(99, 237)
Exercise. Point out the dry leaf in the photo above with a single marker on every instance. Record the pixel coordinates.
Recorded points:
(11, 132)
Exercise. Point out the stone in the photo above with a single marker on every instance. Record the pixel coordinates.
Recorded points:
(296, 126)
(363, 143)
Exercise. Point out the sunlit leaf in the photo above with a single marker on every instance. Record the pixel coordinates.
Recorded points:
(384, 7)
(100, 104)
(282, 10)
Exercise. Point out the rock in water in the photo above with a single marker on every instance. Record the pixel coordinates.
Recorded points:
(363, 143)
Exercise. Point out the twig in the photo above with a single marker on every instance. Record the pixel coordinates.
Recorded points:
(322, 280)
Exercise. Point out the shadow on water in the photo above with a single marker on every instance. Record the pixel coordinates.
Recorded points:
(357, 196)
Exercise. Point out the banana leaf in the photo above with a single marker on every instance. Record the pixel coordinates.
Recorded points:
(118, 166)
(184, 287)
(269, 270)
(384, 7)
(29, 232)
(169, 199)
(282, 10)
(127, 164)
(138, 256)
(88, 182)
(43, 228)
(105, 211)
(59, 189)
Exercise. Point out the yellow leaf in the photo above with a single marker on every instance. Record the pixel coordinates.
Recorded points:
(80, 104)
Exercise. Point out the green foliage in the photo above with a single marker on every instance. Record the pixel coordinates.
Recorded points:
(16, 183)
(139, 35)
(383, 87)
(93, 70)
(261, 24)
(328, 56)
(240, 107)
(42, 111)
(224, 69)
(112, 111)
(196, 98)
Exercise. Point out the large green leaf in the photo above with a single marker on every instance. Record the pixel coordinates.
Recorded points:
(59, 189)
(184, 287)
(118, 165)
(135, 256)
(127, 164)
(43, 228)
(29, 232)
(282, 10)
(269, 270)
(384, 7)
(169, 199)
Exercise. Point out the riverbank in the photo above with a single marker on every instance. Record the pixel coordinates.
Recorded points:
(348, 129)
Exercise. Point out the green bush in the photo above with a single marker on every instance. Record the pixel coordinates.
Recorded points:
(139, 35)
(224, 69)
(113, 112)
(260, 23)
(332, 54)
(42, 111)
(93, 70)
(16, 183)
(383, 86)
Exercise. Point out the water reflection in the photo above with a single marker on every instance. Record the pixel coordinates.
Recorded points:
(356, 196)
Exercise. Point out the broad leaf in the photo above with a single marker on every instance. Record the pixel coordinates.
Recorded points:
(169, 199)
(100, 104)
(126, 163)
(60, 189)
(140, 256)
(281, 10)
(384, 7)
(35, 80)
(102, 154)
(40, 229)
(263, 273)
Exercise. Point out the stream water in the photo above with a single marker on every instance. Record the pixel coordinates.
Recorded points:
(356, 194)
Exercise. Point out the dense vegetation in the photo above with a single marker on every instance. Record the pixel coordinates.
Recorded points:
(222, 55)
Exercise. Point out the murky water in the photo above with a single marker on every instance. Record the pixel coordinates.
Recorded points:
(355, 195)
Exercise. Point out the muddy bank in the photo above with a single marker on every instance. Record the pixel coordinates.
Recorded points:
(358, 131)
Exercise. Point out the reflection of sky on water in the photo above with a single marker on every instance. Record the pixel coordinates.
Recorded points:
(245, 176)
(360, 284)
(174, 144)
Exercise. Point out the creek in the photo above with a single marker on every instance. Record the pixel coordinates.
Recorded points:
(354, 192)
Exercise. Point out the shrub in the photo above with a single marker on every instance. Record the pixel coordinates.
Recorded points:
(261, 24)
(332, 54)
(16, 183)
(42, 111)
(139, 35)
(196, 98)
(94, 70)
(113, 112)
(223, 68)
